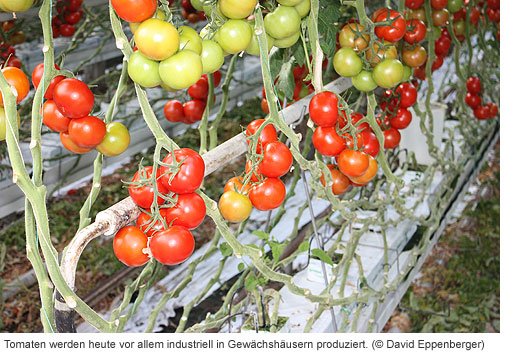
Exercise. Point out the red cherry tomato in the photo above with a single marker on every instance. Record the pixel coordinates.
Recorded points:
(473, 100)
(482, 112)
(394, 32)
(52, 117)
(66, 30)
(73, 98)
(442, 46)
(87, 131)
(143, 193)
(327, 141)
(150, 225)
(268, 195)
(268, 134)
(199, 90)
(193, 110)
(37, 76)
(135, 10)
(414, 4)
(277, 160)
(401, 119)
(68, 144)
(416, 31)
(190, 174)
(17, 79)
(352, 163)
(493, 110)
(174, 111)
(408, 94)
(324, 109)
(189, 211)
(391, 138)
(128, 246)
(255, 176)
(370, 143)
(438, 4)
(173, 245)
(340, 181)
(474, 85)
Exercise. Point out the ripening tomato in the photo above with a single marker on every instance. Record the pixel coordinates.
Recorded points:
(37, 76)
(53, 118)
(352, 36)
(407, 93)
(87, 131)
(268, 195)
(116, 140)
(416, 31)
(391, 138)
(157, 39)
(277, 160)
(268, 134)
(474, 85)
(150, 225)
(68, 144)
(172, 246)
(418, 14)
(340, 181)
(376, 53)
(440, 17)
(327, 141)
(414, 57)
(73, 98)
(128, 245)
(401, 119)
(473, 100)
(17, 79)
(438, 4)
(188, 212)
(174, 111)
(397, 29)
(193, 110)
(236, 184)
(142, 191)
(323, 109)
(352, 163)
(234, 207)
(190, 174)
(368, 175)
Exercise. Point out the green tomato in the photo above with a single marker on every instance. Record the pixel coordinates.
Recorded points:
(143, 70)
(454, 5)
(115, 141)
(198, 4)
(181, 70)
(388, 73)
(254, 48)
(212, 56)
(234, 36)
(283, 22)
(15, 5)
(303, 8)
(436, 30)
(459, 27)
(3, 123)
(189, 40)
(289, 2)
(408, 71)
(347, 63)
(157, 39)
(208, 11)
(235, 9)
(288, 41)
(364, 81)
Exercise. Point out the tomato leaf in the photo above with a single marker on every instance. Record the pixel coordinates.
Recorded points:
(276, 250)
(240, 267)
(286, 83)
(276, 62)
(321, 255)
(304, 246)
(250, 283)
(261, 235)
(326, 24)
(225, 249)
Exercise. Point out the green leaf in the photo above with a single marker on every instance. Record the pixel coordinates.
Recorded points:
(225, 249)
(261, 235)
(262, 281)
(321, 255)
(250, 283)
(304, 246)
(326, 26)
(276, 62)
(240, 267)
(298, 51)
(286, 83)
(276, 250)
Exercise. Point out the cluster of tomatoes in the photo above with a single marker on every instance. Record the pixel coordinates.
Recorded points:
(192, 110)
(474, 100)
(354, 156)
(67, 111)
(260, 187)
(69, 13)
(15, 5)
(165, 236)
(18, 81)
(189, 12)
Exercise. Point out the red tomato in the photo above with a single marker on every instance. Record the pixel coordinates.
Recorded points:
(408, 94)
(190, 174)
(388, 99)
(493, 110)
(17, 79)
(236, 184)
(188, 212)
(391, 138)
(277, 160)
(493, 4)
(143, 193)
(340, 181)
(437, 63)
(135, 10)
(420, 72)
(150, 225)
(394, 32)
(128, 246)
(255, 176)
(474, 85)
(74, 5)
(268, 134)
(73, 17)
(473, 100)
(66, 30)
(194, 110)
(264, 105)
(370, 143)
(327, 141)
(369, 174)
(174, 111)
(438, 4)
(217, 78)
(37, 76)
(494, 15)
(482, 112)
(173, 245)
(414, 4)
(52, 117)
(402, 119)
(200, 90)
(417, 31)
(352, 163)
(73, 98)
(268, 195)
(87, 131)
(324, 109)
(68, 144)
